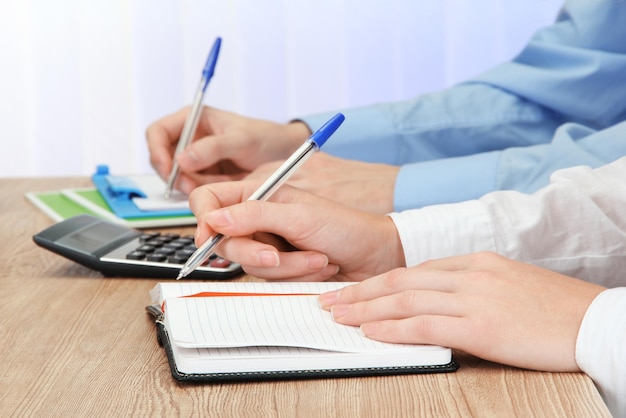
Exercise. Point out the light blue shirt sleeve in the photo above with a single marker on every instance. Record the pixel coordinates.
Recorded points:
(479, 136)
(525, 169)
(576, 67)
(462, 120)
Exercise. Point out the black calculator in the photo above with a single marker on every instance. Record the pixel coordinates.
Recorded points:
(117, 250)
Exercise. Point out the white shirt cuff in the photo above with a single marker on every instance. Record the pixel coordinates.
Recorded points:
(601, 347)
(443, 230)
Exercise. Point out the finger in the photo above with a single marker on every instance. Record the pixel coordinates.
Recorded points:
(280, 274)
(162, 137)
(264, 171)
(252, 253)
(208, 198)
(464, 262)
(187, 182)
(389, 283)
(447, 331)
(167, 130)
(289, 222)
(209, 150)
(405, 304)
(248, 252)
(230, 193)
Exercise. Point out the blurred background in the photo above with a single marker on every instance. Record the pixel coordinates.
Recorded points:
(80, 80)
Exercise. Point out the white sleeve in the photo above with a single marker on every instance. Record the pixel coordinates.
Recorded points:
(601, 347)
(576, 225)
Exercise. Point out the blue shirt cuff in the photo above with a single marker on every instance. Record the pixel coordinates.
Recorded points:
(446, 180)
(362, 135)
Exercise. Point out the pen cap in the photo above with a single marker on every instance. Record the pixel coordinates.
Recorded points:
(209, 66)
(322, 134)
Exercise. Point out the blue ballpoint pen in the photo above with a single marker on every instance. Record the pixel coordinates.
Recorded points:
(280, 176)
(191, 124)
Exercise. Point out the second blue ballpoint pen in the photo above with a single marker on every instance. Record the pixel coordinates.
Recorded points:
(191, 124)
(280, 176)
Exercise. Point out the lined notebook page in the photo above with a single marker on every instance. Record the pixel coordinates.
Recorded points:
(293, 321)
(248, 321)
(309, 333)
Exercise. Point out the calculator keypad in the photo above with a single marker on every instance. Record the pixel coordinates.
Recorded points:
(169, 248)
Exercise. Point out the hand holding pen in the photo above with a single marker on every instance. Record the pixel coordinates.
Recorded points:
(279, 177)
(191, 124)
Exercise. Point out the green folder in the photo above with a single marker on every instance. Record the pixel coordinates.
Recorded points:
(63, 204)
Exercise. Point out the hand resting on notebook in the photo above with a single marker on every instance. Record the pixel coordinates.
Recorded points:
(485, 304)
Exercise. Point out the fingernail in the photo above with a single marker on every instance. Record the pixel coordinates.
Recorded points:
(370, 329)
(190, 154)
(269, 258)
(185, 186)
(328, 299)
(220, 217)
(339, 310)
(329, 271)
(316, 261)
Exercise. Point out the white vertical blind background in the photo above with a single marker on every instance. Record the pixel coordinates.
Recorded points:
(80, 80)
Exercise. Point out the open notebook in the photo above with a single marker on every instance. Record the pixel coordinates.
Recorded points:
(259, 330)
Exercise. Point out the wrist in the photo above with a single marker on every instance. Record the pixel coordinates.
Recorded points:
(298, 132)
(394, 244)
(387, 252)
(286, 137)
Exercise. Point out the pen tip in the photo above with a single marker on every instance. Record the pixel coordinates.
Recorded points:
(180, 276)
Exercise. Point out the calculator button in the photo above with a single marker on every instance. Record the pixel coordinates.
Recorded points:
(171, 237)
(177, 259)
(165, 251)
(136, 255)
(145, 248)
(148, 236)
(161, 240)
(174, 245)
(159, 258)
(185, 252)
(155, 242)
(184, 241)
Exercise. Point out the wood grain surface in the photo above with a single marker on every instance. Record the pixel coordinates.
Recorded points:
(74, 343)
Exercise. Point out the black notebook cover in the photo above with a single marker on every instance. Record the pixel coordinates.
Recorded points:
(164, 341)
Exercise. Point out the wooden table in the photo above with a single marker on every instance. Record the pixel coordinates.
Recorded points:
(73, 343)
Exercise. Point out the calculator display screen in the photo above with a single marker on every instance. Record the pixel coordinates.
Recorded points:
(94, 237)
